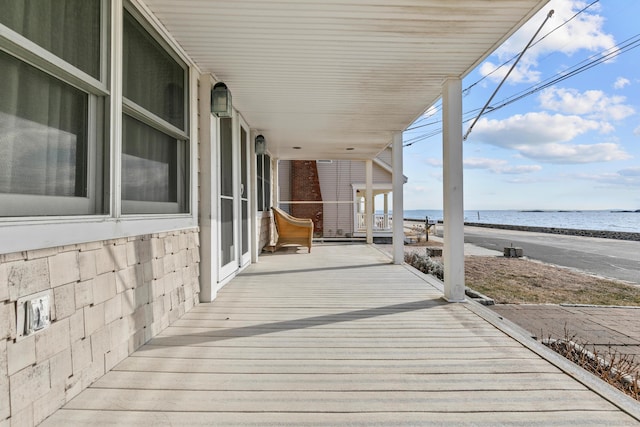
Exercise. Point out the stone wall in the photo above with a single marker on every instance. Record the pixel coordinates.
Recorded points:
(107, 299)
(619, 235)
(265, 228)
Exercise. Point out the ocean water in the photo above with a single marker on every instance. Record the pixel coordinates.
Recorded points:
(583, 220)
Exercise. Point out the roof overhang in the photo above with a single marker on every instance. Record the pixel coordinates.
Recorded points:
(337, 78)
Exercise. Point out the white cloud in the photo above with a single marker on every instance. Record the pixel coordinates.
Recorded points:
(574, 153)
(432, 161)
(582, 32)
(636, 131)
(594, 104)
(430, 112)
(419, 189)
(545, 138)
(621, 82)
(534, 128)
(630, 172)
(522, 169)
(482, 163)
(499, 166)
(523, 73)
(623, 178)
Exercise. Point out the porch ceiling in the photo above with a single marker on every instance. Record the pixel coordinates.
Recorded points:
(327, 75)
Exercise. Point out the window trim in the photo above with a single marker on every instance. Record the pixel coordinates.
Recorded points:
(29, 52)
(145, 116)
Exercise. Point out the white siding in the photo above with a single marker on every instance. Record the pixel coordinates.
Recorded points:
(386, 156)
(284, 181)
(336, 184)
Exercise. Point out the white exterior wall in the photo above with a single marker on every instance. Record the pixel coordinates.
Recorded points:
(336, 184)
(386, 156)
(114, 281)
(336, 179)
(284, 181)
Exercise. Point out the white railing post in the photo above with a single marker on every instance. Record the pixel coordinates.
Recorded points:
(369, 200)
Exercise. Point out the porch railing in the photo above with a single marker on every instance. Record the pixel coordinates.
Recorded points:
(381, 222)
(340, 221)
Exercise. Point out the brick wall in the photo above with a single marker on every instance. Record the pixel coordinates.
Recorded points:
(305, 186)
(107, 299)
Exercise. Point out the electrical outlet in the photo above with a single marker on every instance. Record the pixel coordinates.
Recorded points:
(37, 311)
(33, 313)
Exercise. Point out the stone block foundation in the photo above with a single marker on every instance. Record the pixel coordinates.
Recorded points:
(107, 299)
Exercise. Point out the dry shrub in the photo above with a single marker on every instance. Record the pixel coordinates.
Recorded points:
(620, 370)
(425, 264)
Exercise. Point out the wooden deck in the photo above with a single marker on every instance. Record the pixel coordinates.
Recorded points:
(336, 337)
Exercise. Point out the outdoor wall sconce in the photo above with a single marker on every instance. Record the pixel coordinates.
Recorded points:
(221, 100)
(261, 145)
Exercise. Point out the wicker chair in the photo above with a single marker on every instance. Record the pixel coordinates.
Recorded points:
(292, 230)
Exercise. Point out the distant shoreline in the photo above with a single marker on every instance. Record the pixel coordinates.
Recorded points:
(617, 235)
(603, 234)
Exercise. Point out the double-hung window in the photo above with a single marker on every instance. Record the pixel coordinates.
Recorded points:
(55, 158)
(155, 144)
(52, 104)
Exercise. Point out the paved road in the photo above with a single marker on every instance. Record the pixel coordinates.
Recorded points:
(618, 259)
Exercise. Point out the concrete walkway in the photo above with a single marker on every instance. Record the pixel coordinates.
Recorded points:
(596, 327)
(342, 337)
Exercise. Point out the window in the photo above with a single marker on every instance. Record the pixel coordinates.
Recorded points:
(51, 128)
(54, 105)
(150, 169)
(70, 29)
(264, 182)
(155, 146)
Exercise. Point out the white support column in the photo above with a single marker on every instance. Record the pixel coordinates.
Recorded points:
(208, 225)
(453, 253)
(275, 179)
(368, 207)
(397, 179)
(386, 210)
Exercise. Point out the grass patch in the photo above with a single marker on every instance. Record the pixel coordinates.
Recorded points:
(519, 281)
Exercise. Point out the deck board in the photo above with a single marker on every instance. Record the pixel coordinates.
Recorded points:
(336, 337)
(367, 381)
(311, 418)
(338, 402)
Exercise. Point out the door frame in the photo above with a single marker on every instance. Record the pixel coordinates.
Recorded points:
(228, 269)
(244, 258)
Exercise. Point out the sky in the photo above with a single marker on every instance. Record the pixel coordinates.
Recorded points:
(571, 144)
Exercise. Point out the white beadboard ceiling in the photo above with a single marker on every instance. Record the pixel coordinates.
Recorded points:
(329, 75)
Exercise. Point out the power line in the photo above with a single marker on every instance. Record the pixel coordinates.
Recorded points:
(541, 38)
(465, 91)
(582, 66)
(495, 92)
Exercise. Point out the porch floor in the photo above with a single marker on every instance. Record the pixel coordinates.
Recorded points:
(336, 337)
